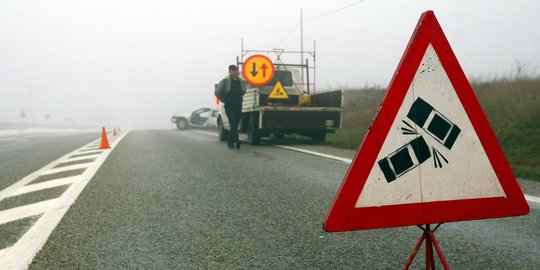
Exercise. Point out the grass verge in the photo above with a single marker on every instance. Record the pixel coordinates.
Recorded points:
(511, 106)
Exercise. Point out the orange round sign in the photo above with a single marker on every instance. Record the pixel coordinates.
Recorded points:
(258, 70)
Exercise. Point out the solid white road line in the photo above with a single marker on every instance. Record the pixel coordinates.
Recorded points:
(21, 254)
(3, 251)
(533, 199)
(346, 160)
(44, 185)
(207, 133)
(529, 198)
(25, 211)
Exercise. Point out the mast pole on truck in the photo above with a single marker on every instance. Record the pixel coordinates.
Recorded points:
(302, 41)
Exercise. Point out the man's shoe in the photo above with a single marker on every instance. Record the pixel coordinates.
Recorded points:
(237, 145)
(230, 145)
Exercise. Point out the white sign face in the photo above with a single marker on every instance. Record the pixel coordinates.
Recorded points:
(432, 152)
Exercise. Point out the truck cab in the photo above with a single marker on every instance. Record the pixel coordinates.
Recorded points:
(311, 115)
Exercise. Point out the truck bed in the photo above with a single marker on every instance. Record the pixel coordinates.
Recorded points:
(323, 112)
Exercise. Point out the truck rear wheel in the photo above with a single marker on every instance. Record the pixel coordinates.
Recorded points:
(223, 134)
(253, 133)
(318, 136)
(181, 124)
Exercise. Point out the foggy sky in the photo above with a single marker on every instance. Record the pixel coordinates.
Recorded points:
(135, 63)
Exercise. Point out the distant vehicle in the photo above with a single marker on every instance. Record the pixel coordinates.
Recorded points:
(302, 112)
(404, 159)
(434, 123)
(201, 118)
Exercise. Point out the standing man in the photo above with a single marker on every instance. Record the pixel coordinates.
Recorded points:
(230, 91)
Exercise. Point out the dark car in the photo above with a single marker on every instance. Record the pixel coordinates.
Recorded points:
(434, 123)
(404, 159)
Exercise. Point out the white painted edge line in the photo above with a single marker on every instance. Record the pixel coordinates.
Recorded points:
(25, 211)
(44, 185)
(529, 198)
(21, 254)
(206, 132)
(533, 199)
(346, 160)
(3, 251)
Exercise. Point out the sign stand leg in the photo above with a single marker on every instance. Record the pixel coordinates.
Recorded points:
(428, 236)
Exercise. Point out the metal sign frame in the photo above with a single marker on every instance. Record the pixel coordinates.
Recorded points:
(309, 67)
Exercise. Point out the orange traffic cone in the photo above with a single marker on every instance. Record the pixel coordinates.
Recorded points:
(104, 141)
(114, 132)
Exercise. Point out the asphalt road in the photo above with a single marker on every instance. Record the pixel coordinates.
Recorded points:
(167, 199)
(22, 155)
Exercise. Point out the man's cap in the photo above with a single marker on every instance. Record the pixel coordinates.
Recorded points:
(232, 67)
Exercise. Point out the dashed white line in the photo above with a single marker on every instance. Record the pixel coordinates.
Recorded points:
(529, 198)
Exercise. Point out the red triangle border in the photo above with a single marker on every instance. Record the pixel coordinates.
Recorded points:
(343, 216)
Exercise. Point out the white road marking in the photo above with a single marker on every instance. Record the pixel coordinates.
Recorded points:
(207, 133)
(80, 158)
(529, 198)
(88, 153)
(89, 149)
(533, 199)
(44, 185)
(309, 152)
(25, 211)
(63, 163)
(21, 254)
(65, 168)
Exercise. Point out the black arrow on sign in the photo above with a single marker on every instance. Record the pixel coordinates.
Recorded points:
(254, 71)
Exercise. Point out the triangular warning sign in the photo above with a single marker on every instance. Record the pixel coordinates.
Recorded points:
(278, 92)
(430, 155)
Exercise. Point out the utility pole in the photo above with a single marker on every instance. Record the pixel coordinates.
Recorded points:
(302, 43)
(30, 100)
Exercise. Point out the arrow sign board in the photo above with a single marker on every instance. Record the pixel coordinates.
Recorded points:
(430, 155)
(278, 92)
(258, 70)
